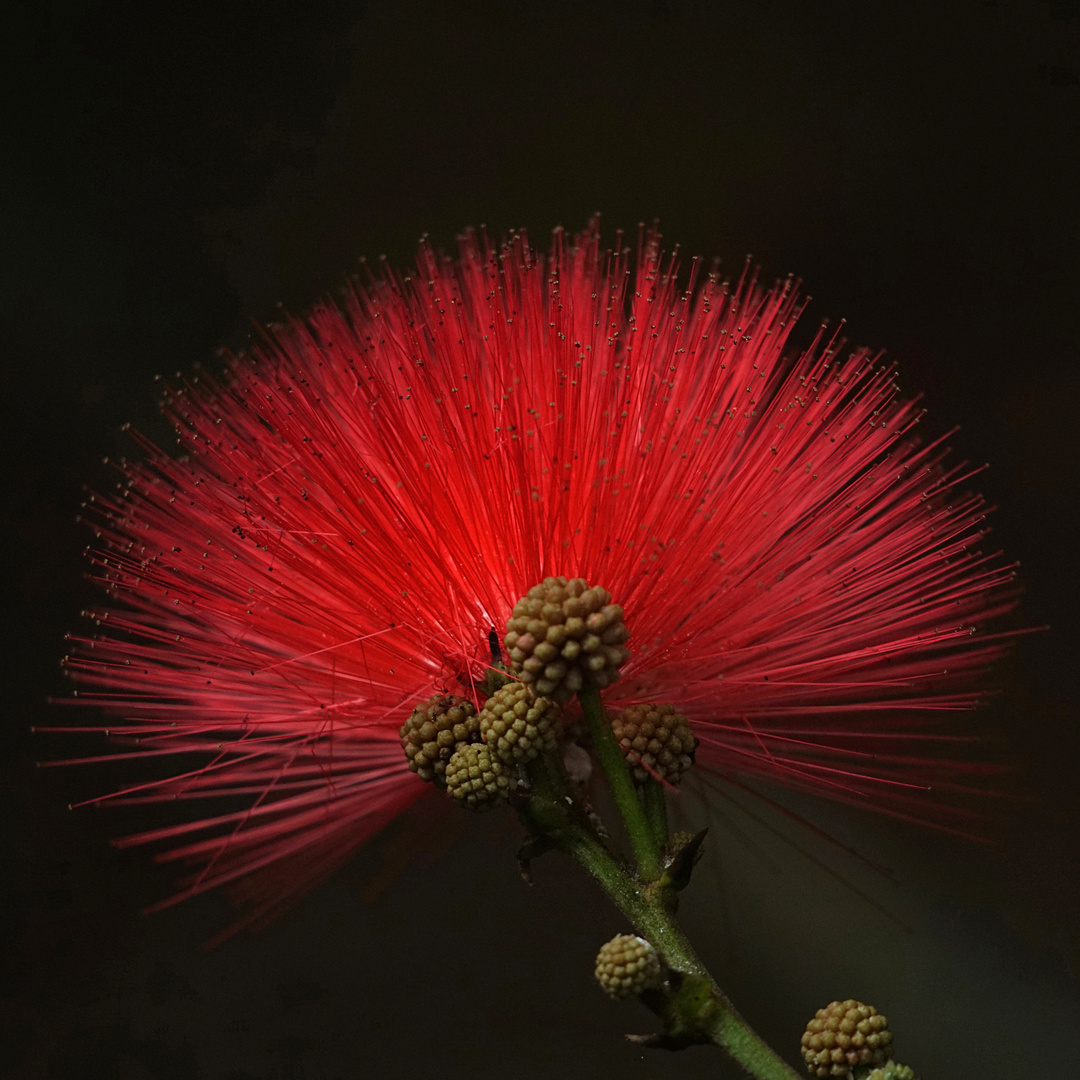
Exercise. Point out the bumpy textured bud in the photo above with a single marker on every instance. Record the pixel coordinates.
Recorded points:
(892, 1071)
(626, 965)
(656, 740)
(845, 1034)
(564, 636)
(434, 731)
(518, 725)
(477, 778)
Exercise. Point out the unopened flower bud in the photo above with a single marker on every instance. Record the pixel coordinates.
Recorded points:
(476, 778)
(656, 741)
(627, 965)
(434, 731)
(891, 1070)
(518, 725)
(564, 636)
(845, 1034)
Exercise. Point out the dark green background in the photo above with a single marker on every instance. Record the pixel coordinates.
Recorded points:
(171, 173)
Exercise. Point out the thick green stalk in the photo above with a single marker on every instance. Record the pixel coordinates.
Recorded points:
(655, 801)
(712, 1018)
(647, 915)
(696, 1009)
(622, 786)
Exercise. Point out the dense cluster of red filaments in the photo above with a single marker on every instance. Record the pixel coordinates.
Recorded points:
(364, 498)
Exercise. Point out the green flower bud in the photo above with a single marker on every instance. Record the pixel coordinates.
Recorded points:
(564, 636)
(434, 731)
(627, 965)
(845, 1034)
(656, 740)
(892, 1071)
(518, 725)
(476, 778)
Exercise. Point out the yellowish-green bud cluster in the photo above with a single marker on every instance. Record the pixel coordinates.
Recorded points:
(476, 778)
(656, 740)
(517, 725)
(892, 1071)
(627, 965)
(564, 636)
(845, 1034)
(434, 732)
(474, 756)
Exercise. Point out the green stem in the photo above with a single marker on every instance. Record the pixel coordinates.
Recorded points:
(622, 786)
(647, 916)
(656, 811)
(716, 1020)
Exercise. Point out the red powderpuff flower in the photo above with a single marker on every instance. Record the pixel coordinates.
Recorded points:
(362, 501)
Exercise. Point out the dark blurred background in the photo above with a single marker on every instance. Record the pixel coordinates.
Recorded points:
(173, 172)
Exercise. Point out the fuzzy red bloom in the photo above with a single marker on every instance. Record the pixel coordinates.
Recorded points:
(361, 502)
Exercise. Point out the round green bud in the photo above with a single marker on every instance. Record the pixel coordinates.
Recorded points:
(476, 778)
(627, 965)
(518, 725)
(891, 1070)
(656, 741)
(845, 1034)
(564, 636)
(434, 731)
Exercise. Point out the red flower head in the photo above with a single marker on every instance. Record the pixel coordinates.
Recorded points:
(366, 498)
